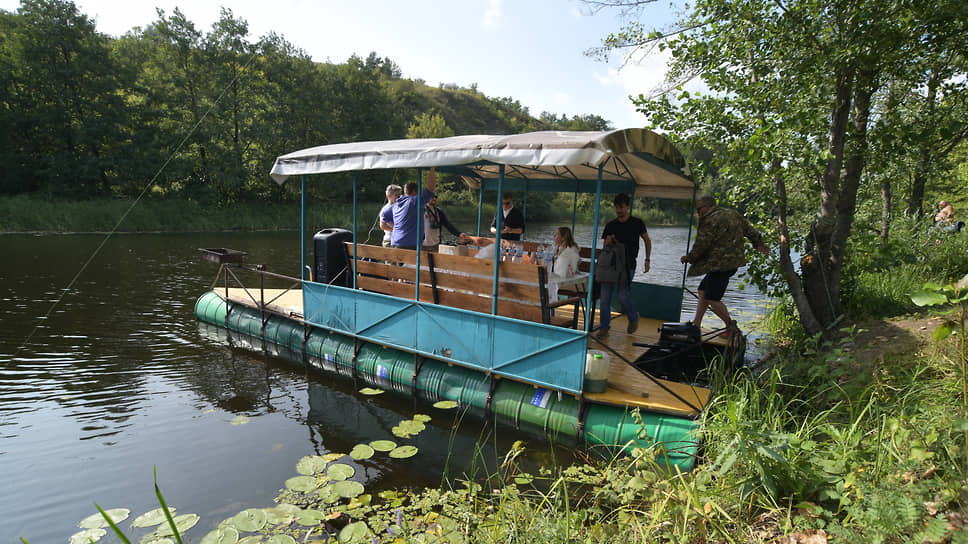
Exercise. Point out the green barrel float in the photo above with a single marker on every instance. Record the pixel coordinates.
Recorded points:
(616, 428)
(330, 351)
(211, 308)
(541, 409)
(385, 367)
(439, 381)
(284, 332)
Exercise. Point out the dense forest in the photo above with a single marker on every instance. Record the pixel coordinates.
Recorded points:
(196, 114)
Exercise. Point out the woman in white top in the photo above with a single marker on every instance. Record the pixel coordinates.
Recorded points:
(566, 260)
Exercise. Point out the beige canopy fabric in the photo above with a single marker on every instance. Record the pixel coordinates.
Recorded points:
(633, 155)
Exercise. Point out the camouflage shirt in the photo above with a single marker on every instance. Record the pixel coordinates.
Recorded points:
(719, 241)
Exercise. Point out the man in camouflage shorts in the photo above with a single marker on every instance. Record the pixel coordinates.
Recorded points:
(717, 253)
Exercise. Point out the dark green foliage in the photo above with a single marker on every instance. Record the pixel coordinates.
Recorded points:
(197, 114)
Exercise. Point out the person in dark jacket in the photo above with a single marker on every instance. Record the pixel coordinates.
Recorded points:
(625, 230)
(512, 224)
(717, 253)
(435, 220)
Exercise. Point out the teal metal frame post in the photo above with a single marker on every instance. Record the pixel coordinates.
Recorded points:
(356, 176)
(302, 230)
(480, 207)
(420, 221)
(499, 224)
(591, 271)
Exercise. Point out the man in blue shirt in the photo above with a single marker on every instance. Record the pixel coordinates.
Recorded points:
(405, 214)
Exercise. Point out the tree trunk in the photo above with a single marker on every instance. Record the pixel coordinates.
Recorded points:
(807, 320)
(925, 157)
(885, 210)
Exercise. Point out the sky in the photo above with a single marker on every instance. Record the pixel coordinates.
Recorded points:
(532, 51)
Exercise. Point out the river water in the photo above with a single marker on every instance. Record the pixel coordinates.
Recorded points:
(118, 379)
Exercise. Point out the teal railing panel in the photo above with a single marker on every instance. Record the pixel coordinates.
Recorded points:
(545, 355)
(660, 302)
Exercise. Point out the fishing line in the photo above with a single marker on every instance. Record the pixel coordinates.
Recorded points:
(125, 214)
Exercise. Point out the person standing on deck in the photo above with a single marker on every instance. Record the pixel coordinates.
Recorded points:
(405, 214)
(435, 220)
(625, 230)
(513, 222)
(717, 253)
(393, 193)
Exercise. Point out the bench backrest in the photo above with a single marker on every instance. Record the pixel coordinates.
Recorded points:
(453, 280)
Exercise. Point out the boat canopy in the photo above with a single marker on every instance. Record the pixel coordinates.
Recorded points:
(631, 160)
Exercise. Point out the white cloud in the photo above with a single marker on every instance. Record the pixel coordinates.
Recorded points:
(493, 14)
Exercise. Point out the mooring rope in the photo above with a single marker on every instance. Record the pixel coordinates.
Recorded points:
(111, 233)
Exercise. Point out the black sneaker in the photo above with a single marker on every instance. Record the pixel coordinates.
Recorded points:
(633, 325)
(602, 334)
(693, 332)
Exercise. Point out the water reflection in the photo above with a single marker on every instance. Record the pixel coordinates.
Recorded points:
(118, 380)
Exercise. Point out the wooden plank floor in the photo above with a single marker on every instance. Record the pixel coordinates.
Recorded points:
(626, 385)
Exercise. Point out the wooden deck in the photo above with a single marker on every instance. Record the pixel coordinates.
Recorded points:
(626, 385)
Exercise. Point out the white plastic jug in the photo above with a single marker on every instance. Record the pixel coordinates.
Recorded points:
(596, 371)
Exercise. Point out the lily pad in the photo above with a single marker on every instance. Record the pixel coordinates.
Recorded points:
(183, 523)
(355, 533)
(383, 445)
(240, 420)
(151, 518)
(328, 494)
(361, 451)
(348, 488)
(310, 518)
(282, 513)
(408, 428)
(371, 391)
(445, 404)
(155, 538)
(311, 464)
(253, 539)
(97, 521)
(404, 452)
(330, 457)
(225, 534)
(88, 535)
(281, 539)
(302, 483)
(249, 521)
(423, 418)
(339, 471)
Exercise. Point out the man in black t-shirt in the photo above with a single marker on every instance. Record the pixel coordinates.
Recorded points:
(627, 230)
(512, 224)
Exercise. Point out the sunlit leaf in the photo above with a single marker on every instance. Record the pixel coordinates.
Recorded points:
(360, 501)
(408, 428)
(151, 518)
(311, 464)
(445, 404)
(928, 298)
(423, 418)
(523, 479)
(252, 539)
(281, 539)
(361, 451)
(371, 391)
(348, 488)
(330, 457)
(355, 533)
(250, 520)
(240, 420)
(88, 535)
(225, 534)
(340, 471)
(302, 483)
(943, 331)
(403, 452)
(962, 283)
(383, 445)
(97, 521)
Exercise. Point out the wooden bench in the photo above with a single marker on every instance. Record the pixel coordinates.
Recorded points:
(460, 282)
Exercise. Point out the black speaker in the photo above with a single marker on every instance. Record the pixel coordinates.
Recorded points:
(330, 264)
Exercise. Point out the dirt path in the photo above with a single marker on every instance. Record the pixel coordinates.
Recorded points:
(884, 337)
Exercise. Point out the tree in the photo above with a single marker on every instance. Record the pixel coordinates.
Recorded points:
(794, 89)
